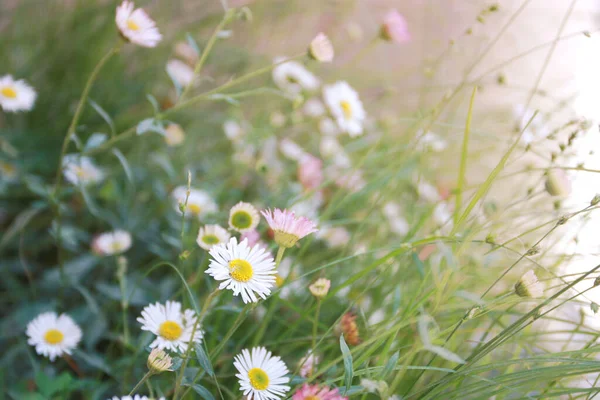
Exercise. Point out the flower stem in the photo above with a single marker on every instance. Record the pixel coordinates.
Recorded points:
(211, 42)
(315, 325)
(279, 256)
(141, 382)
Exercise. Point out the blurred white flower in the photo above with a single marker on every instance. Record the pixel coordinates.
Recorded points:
(314, 108)
(179, 71)
(293, 78)
(199, 202)
(291, 150)
(428, 192)
(233, 130)
(431, 141)
(174, 135)
(328, 127)
(243, 217)
(346, 107)
(136, 26)
(53, 335)
(398, 223)
(334, 236)
(529, 286)
(81, 170)
(8, 171)
(16, 95)
(308, 364)
(212, 235)
(111, 243)
(186, 52)
(277, 119)
(321, 48)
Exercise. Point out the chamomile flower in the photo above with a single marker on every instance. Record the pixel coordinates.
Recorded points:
(293, 78)
(247, 271)
(111, 243)
(53, 335)
(199, 203)
(172, 327)
(16, 95)
(243, 217)
(136, 26)
(287, 227)
(212, 235)
(346, 107)
(261, 375)
(81, 170)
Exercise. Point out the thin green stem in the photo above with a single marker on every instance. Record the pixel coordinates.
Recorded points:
(211, 42)
(185, 361)
(279, 257)
(315, 326)
(141, 382)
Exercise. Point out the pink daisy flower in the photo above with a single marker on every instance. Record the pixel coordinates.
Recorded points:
(394, 28)
(287, 227)
(314, 392)
(310, 172)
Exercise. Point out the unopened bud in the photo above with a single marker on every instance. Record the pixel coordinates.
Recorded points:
(594, 307)
(558, 183)
(595, 200)
(159, 361)
(320, 288)
(321, 49)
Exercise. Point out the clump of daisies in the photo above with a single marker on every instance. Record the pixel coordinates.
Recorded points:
(174, 329)
(16, 95)
(261, 375)
(53, 335)
(136, 26)
(247, 271)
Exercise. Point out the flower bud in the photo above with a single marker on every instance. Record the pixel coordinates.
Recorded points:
(321, 49)
(320, 288)
(394, 28)
(159, 361)
(558, 183)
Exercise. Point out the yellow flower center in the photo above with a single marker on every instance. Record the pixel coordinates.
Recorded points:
(116, 246)
(170, 330)
(132, 25)
(241, 220)
(347, 109)
(279, 280)
(194, 209)
(9, 92)
(240, 270)
(312, 398)
(258, 379)
(210, 239)
(54, 336)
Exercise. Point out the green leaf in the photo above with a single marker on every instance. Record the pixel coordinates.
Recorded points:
(192, 42)
(149, 125)
(154, 103)
(463, 158)
(348, 372)
(389, 367)
(203, 359)
(124, 163)
(202, 391)
(18, 225)
(104, 116)
(95, 140)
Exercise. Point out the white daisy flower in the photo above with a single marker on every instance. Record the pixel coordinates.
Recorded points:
(8, 171)
(212, 235)
(179, 71)
(233, 130)
(134, 397)
(111, 243)
(81, 170)
(245, 270)
(173, 328)
(321, 49)
(346, 107)
(16, 95)
(136, 26)
(397, 222)
(53, 335)
(174, 135)
(291, 150)
(199, 203)
(328, 127)
(293, 78)
(261, 375)
(243, 217)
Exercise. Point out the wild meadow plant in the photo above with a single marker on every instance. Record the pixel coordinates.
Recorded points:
(227, 230)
